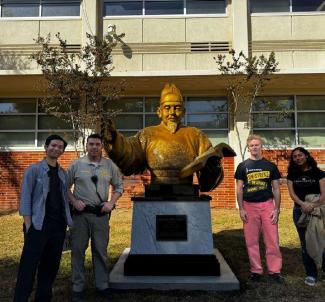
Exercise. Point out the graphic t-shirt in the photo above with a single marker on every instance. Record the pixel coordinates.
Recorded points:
(257, 176)
(306, 182)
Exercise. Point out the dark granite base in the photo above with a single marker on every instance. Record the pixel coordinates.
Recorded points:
(171, 265)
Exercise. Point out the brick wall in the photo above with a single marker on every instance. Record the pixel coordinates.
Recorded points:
(13, 164)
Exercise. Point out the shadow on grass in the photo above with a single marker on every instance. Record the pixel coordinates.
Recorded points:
(231, 244)
(8, 273)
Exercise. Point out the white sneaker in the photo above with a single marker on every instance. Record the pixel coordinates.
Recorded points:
(310, 281)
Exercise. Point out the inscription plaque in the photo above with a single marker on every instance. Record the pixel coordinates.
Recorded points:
(171, 227)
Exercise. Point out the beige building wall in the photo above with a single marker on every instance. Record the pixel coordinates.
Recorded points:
(25, 31)
(164, 44)
(297, 40)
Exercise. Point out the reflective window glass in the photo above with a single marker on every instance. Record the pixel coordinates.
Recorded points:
(269, 6)
(315, 102)
(197, 105)
(273, 120)
(129, 121)
(126, 105)
(151, 120)
(312, 138)
(17, 122)
(277, 137)
(64, 108)
(17, 106)
(67, 136)
(206, 121)
(60, 8)
(217, 137)
(205, 6)
(151, 104)
(164, 7)
(275, 103)
(311, 119)
(17, 139)
(52, 122)
(122, 8)
(308, 5)
(28, 9)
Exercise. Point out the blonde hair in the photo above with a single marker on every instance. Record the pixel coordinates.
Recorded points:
(170, 89)
(252, 137)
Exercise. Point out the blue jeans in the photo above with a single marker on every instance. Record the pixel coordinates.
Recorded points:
(309, 264)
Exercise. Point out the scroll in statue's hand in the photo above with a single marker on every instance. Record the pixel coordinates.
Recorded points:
(221, 150)
(208, 167)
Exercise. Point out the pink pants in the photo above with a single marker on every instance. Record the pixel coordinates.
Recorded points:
(259, 221)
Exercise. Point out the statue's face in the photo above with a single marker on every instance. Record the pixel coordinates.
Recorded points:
(171, 111)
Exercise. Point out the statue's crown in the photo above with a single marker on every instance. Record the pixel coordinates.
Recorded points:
(170, 89)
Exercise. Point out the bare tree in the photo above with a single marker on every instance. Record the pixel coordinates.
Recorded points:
(246, 76)
(77, 88)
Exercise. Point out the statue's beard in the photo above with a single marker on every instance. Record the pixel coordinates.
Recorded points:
(172, 126)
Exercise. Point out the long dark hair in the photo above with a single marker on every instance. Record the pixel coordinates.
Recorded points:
(293, 167)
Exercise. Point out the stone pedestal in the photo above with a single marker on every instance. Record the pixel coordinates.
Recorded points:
(171, 238)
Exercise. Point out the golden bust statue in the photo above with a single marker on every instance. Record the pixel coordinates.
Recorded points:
(170, 151)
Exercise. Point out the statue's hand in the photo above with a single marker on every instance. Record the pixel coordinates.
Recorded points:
(108, 131)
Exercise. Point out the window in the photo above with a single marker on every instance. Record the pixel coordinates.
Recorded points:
(289, 121)
(308, 5)
(23, 124)
(19, 9)
(163, 7)
(60, 8)
(37, 8)
(124, 8)
(268, 6)
(273, 6)
(205, 6)
(207, 113)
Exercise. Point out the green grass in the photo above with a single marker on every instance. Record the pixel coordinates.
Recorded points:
(227, 235)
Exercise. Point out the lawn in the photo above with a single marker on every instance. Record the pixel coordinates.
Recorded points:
(228, 237)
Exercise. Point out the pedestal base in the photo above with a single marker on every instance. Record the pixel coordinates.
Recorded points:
(227, 281)
(171, 265)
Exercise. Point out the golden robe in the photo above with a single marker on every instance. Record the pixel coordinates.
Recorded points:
(164, 153)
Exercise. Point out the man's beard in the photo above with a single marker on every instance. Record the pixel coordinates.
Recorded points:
(172, 126)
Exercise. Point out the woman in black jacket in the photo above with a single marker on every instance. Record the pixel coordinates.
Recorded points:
(304, 177)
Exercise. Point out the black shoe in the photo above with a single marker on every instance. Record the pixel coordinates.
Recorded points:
(77, 297)
(276, 278)
(254, 277)
(105, 293)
